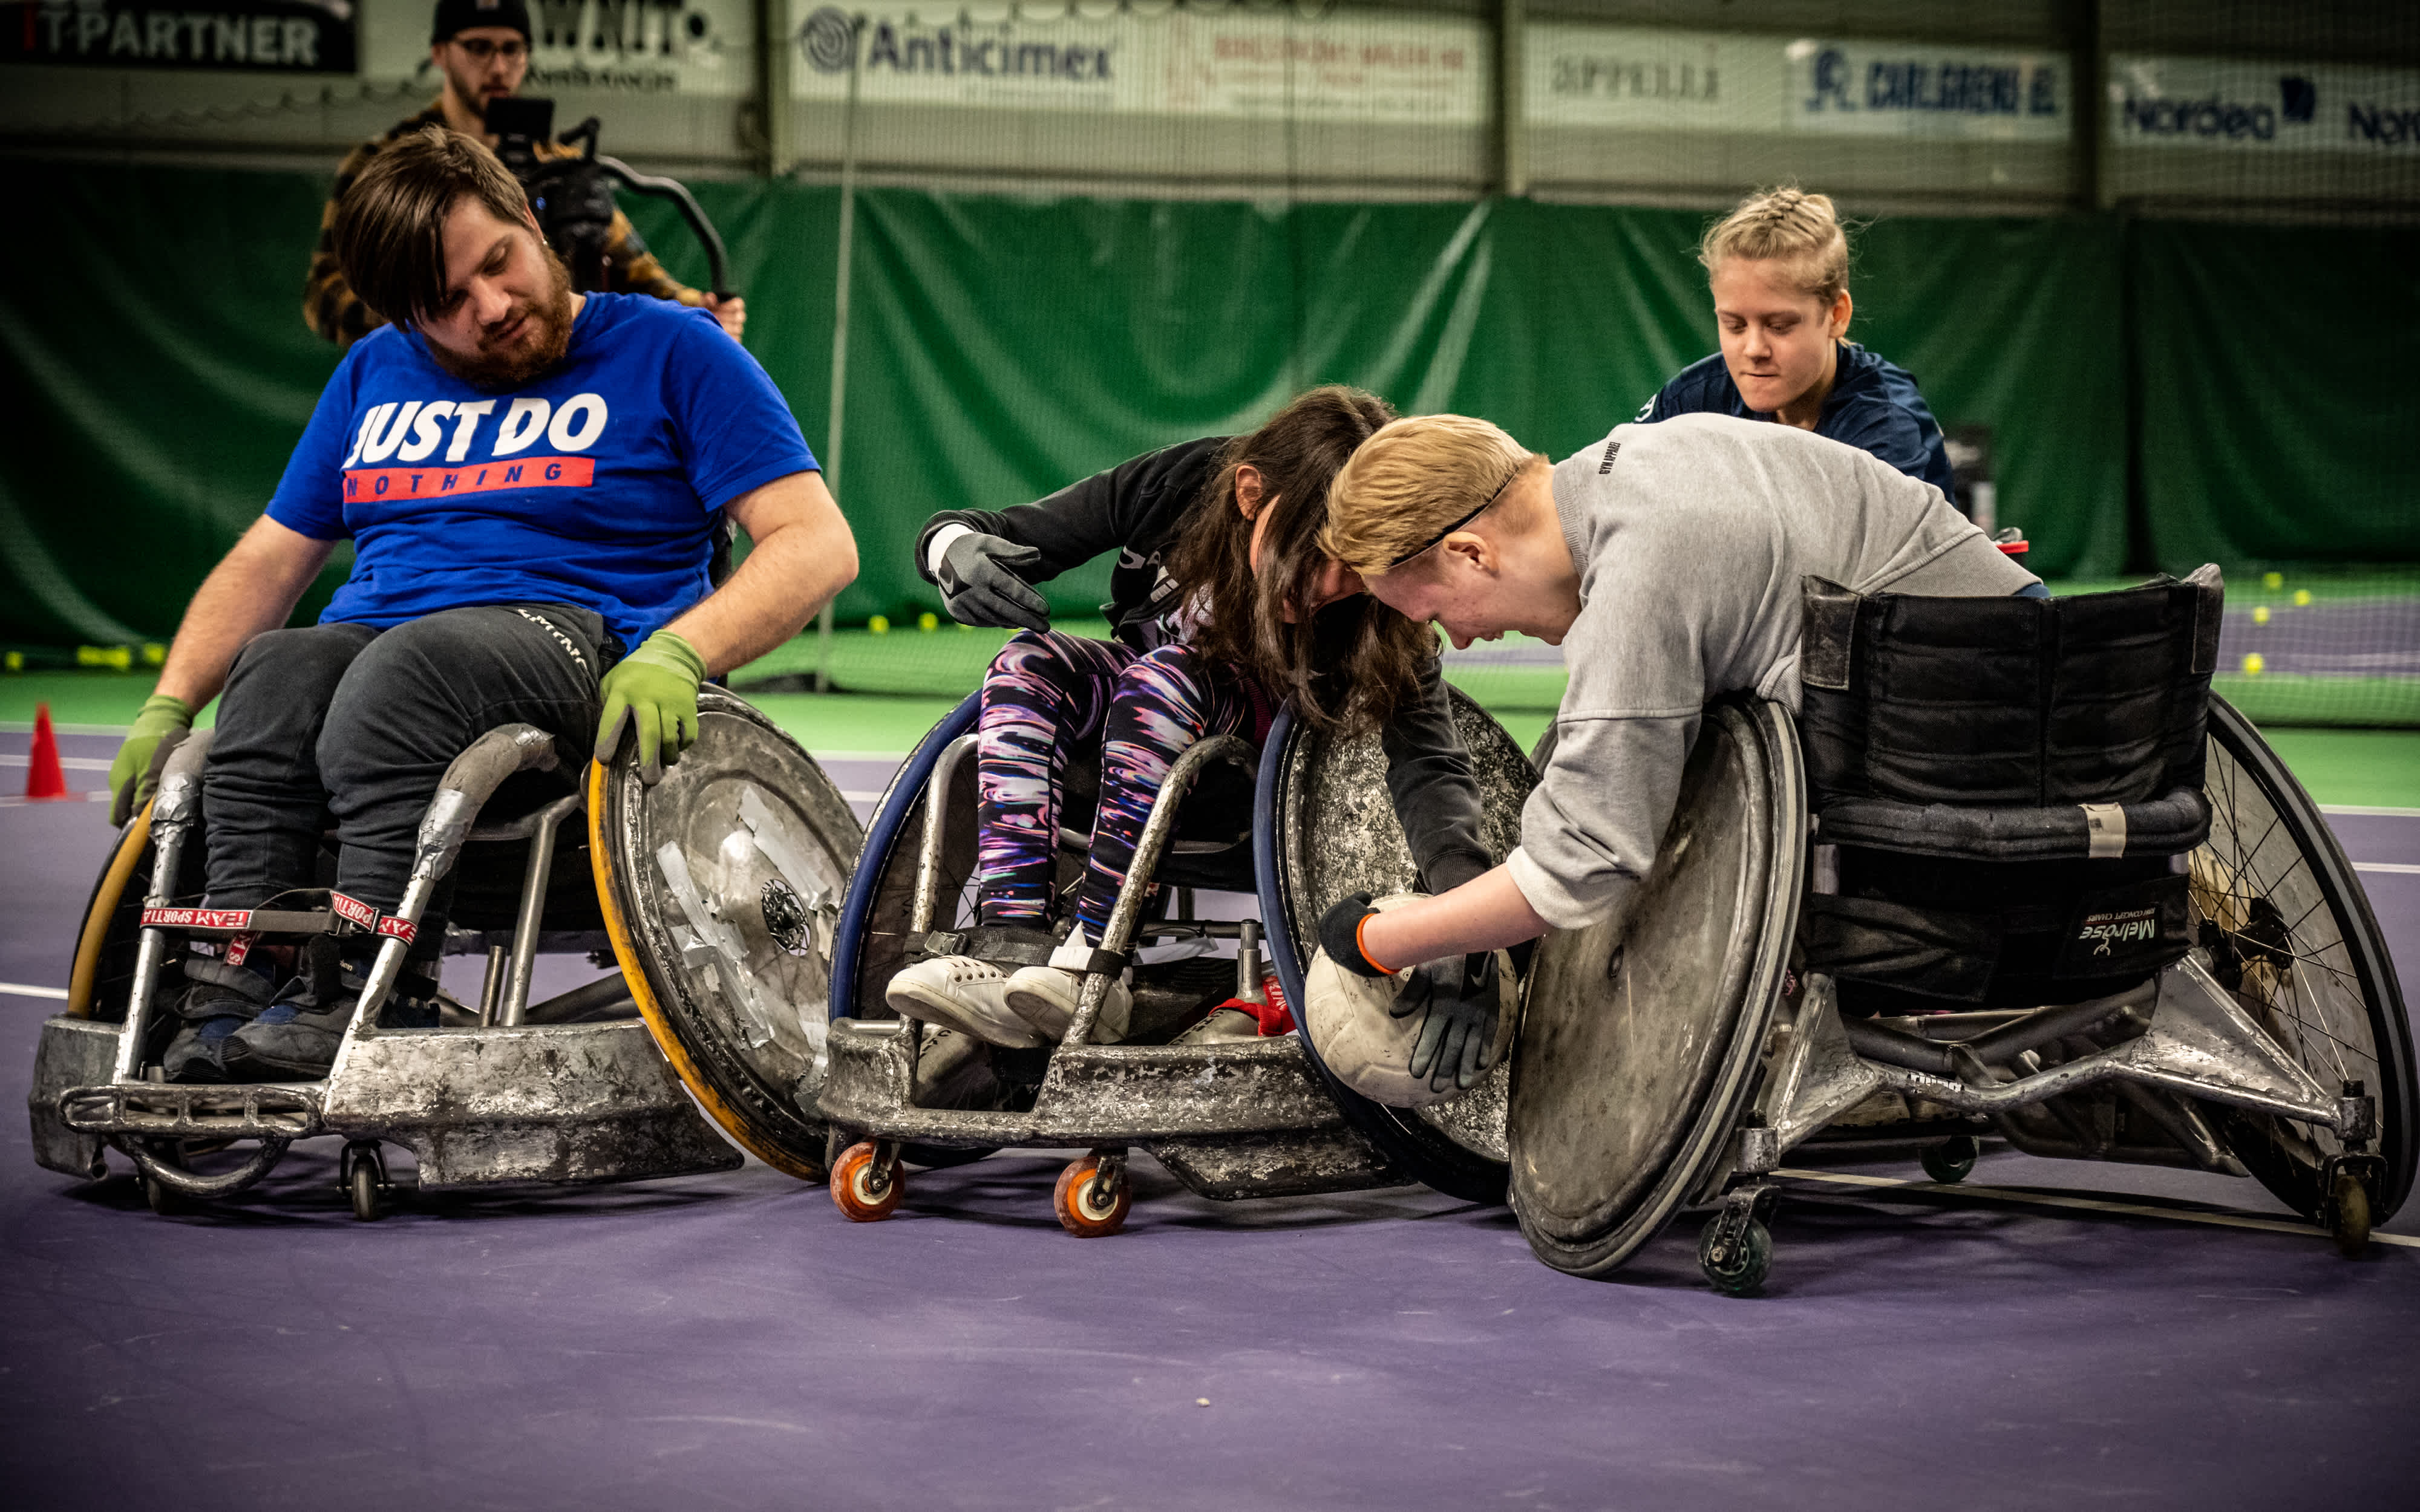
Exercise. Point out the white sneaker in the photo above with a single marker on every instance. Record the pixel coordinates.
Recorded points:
(1045, 997)
(964, 994)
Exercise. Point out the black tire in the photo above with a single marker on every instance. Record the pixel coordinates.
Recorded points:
(2291, 932)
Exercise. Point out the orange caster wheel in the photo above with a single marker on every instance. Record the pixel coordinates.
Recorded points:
(866, 1186)
(1083, 1211)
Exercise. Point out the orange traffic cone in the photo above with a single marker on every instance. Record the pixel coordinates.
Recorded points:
(43, 778)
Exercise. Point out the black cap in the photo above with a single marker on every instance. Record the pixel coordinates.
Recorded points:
(466, 15)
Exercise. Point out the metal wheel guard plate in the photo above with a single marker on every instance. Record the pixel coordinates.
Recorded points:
(722, 885)
(1340, 836)
(1640, 1033)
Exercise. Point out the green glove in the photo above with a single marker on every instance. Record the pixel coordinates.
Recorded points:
(130, 776)
(653, 689)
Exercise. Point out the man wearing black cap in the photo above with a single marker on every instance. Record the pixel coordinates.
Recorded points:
(481, 49)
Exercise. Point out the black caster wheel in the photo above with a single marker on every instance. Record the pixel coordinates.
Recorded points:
(1736, 1268)
(1950, 1160)
(2348, 1214)
(362, 1173)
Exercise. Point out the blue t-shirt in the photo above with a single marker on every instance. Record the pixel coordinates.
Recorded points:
(1873, 405)
(599, 483)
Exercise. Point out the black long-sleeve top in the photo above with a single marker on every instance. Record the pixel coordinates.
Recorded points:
(1133, 509)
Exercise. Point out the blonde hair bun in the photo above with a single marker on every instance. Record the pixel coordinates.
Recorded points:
(1788, 225)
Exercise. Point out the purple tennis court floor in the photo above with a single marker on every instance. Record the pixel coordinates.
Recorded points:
(731, 1341)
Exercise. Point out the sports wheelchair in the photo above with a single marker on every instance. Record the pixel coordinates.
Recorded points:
(573, 1090)
(1309, 815)
(2025, 876)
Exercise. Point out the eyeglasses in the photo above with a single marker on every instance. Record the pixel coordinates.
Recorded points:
(1430, 543)
(481, 49)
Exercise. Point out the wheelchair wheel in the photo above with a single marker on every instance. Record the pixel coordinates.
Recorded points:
(720, 889)
(103, 972)
(1642, 1034)
(1323, 828)
(2290, 931)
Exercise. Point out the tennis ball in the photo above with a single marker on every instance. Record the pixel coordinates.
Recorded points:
(16, 661)
(2301, 596)
(2272, 581)
(2253, 664)
(2261, 614)
(928, 621)
(879, 626)
(154, 653)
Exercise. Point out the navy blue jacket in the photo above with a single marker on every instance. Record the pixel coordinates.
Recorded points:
(1873, 405)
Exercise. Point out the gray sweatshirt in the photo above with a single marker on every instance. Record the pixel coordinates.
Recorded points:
(1691, 535)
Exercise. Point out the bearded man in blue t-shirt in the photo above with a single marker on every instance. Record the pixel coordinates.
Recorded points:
(533, 480)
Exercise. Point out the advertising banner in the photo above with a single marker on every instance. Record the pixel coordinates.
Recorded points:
(1918, 89)
(1251, 66)
(1646, 79)
(2243, 107)
(682, 47)
(250, 36)
(1640, 79)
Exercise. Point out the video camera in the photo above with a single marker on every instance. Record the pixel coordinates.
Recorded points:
(573, 192)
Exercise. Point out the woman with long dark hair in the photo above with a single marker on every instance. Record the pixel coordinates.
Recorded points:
(1222, 607)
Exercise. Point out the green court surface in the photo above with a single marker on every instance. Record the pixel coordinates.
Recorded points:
(2370, 769)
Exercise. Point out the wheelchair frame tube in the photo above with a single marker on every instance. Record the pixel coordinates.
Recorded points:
(525, 927)
(1149, 847)
(173, 813)
(928, 849)
(471, 779)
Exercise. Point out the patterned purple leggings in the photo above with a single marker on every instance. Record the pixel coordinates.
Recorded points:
(1050, 695)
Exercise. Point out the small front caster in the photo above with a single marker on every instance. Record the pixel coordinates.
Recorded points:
(1092, 1201)
(867, 1183)
(361, 1171)
(1735, 1264)
(1950, 1160)
(1736, 1249)
(2349, 1213)
(161, 1198)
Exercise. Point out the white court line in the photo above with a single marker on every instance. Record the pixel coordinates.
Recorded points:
(25, 727)
(2137, 1209)
(2362, 809)
(97, 795)
(18, 989)
(877, 798)
(2398, 868)
(72, 763)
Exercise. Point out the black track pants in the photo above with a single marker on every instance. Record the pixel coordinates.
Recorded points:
(343, 722)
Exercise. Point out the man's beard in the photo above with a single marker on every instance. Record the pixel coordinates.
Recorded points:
(545, 337)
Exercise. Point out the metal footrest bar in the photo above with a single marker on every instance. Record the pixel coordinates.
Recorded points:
(164, 1111)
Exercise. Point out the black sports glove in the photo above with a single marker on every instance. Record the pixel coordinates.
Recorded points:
(1340, 936)
(1457, 1040)
(980, 585)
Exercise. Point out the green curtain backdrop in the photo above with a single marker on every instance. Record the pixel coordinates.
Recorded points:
(2279, 409)
(157, 369)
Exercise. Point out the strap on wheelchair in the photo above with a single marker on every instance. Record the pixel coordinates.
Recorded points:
(1005, 945)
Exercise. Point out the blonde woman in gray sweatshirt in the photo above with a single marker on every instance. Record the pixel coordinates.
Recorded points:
(1666, 560)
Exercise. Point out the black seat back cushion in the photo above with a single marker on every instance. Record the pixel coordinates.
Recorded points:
(2014, 702)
